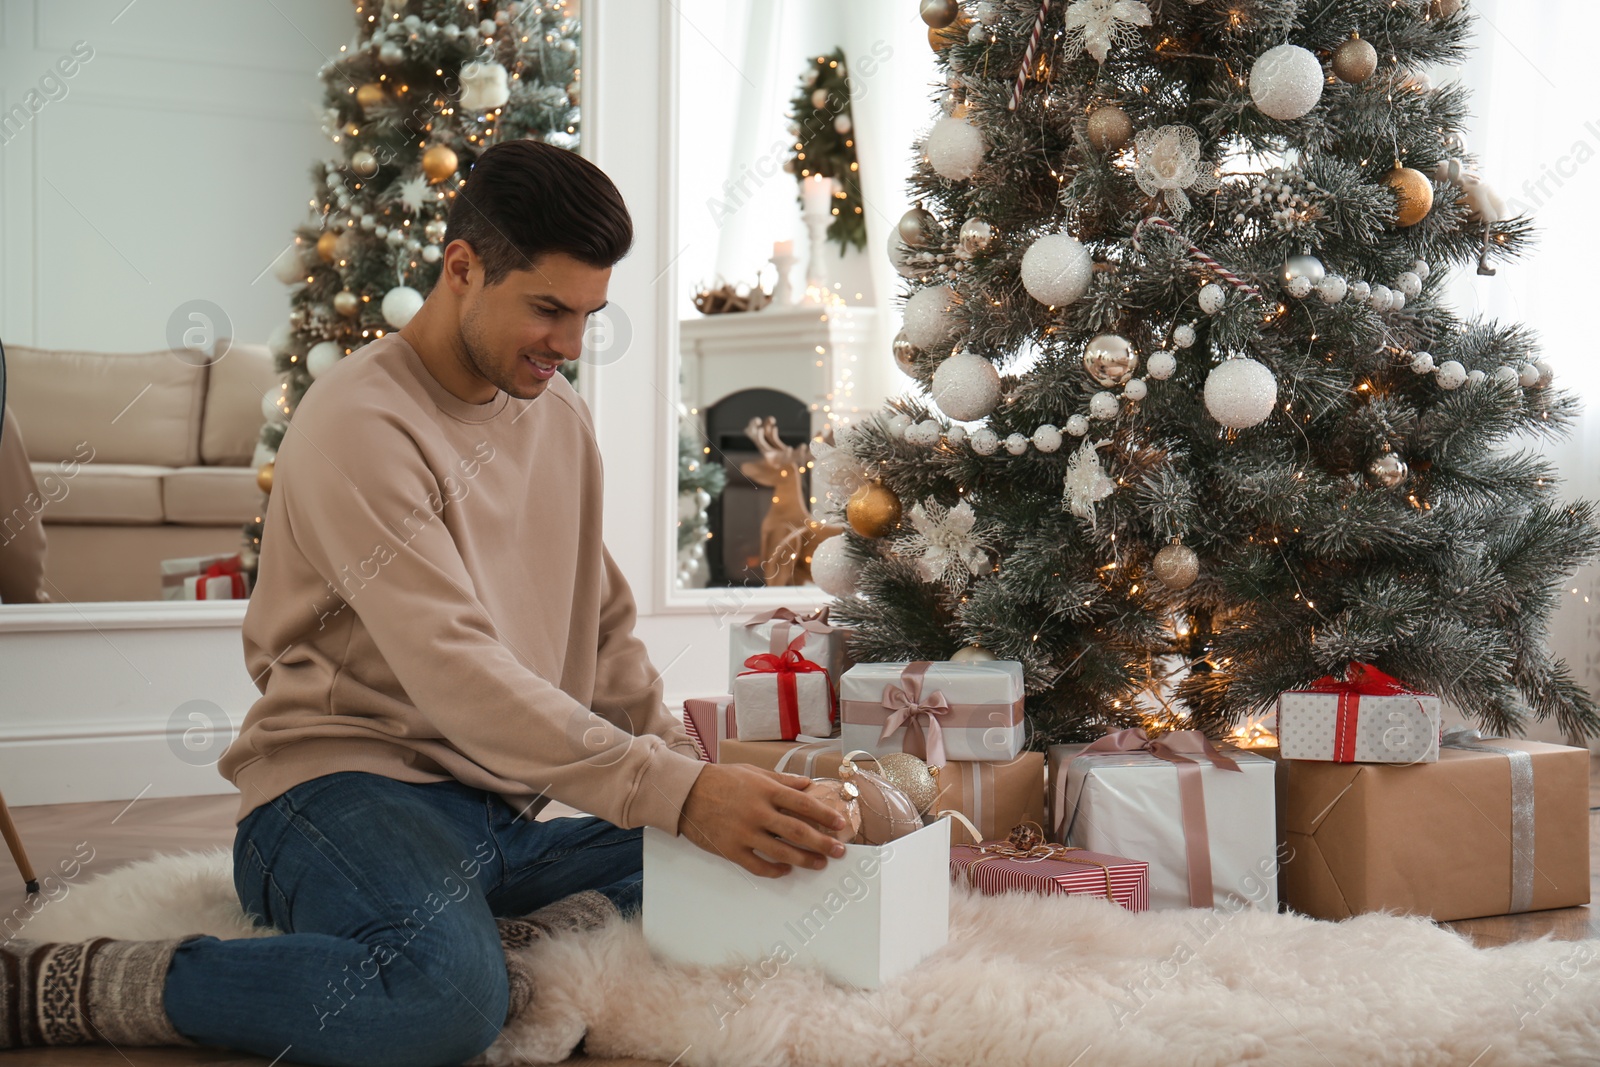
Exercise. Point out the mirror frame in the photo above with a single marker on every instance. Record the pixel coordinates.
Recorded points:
(669, 598)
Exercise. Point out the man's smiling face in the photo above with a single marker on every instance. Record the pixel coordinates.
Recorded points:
(517, 333)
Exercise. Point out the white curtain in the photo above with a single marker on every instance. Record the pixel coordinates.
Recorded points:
(1537, 134)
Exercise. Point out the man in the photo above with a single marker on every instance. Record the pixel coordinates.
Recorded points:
(443, 645)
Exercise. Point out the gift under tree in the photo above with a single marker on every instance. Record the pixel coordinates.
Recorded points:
(1199, 423)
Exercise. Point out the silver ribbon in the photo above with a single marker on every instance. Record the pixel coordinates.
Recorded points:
(1522, 867)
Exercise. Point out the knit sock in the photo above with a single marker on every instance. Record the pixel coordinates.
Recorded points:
(102, 990)
(581, 911)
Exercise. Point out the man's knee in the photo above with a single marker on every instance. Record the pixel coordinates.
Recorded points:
(452, 1015)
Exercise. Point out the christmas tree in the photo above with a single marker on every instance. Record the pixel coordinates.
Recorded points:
(424, 88)
(1199, 423)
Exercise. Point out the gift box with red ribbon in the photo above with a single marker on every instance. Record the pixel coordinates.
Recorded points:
(934, 710)
(1203, 816)
(999, 867)
(204, 578)
(773, 631)
(779, 697)
(1368, 717)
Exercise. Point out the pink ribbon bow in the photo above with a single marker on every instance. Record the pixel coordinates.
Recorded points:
(1183, 749)
(784, 619)
(920, 717)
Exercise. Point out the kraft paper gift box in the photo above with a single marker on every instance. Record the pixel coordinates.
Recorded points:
(936, 710)
(780, 697)
(1369, 718)
(204, 578)
(1496, 826)
(996, 867)
(772, 632)
(1207, 830)
(709, 721)
(862, 920)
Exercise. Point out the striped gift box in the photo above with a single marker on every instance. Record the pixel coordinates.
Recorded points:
(1124, 881)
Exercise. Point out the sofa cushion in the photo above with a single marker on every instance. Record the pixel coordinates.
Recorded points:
(211, 496)
(129, 407)
(231, 421)
(121, 493)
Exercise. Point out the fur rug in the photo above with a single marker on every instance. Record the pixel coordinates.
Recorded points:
(1026, 980)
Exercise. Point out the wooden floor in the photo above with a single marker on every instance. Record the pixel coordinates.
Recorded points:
(124, 832)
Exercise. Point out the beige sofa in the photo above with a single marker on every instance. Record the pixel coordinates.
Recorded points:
(139, 457)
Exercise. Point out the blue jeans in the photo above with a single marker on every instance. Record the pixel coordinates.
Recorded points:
(387, 893)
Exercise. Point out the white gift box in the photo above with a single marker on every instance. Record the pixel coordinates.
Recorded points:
(1370, 728)
(824, 644)
(864, 919)
(179, 578)
(984, 720)
(1127, 804)
(757, 714)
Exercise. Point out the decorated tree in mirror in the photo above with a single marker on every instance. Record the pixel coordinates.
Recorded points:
(1198, 422)
(422, 89)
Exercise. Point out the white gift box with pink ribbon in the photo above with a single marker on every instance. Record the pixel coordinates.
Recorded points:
(1204, 817)
(936, 710)
(773, 631)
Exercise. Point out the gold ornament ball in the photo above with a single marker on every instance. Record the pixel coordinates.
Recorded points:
(1109, 128)
(347, 303)
(1414, 193)
(917, 227)
(370, 94)
(1444, 8)
(264, 477)
(328, 245)
(1110, 359)
(915, 778)
(1177, 566)
(973, 654)
(940, 13)
(872, 510)
(1355, 60)
(905, 354)
(364, 163)
(977, 236)
(439, 162)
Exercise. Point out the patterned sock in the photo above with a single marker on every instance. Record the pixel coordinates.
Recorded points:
(102, 990)
(581, 911)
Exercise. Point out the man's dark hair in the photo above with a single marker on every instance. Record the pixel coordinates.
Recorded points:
(523, 199)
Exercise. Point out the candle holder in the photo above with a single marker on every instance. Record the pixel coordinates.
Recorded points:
(782, 290)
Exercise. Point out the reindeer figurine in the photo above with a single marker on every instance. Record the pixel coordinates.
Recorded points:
(788, 532)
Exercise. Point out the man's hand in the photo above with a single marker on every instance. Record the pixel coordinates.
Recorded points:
(735, 809)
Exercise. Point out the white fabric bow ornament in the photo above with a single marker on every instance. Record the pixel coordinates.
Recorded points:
(483, 86)
(1085, 482)
(1170, 164)
(1095, 25)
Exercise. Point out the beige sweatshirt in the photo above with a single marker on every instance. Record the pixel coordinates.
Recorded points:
(434, 601)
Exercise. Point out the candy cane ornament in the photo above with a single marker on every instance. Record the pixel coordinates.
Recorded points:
(1029, 54)
(1194, 250)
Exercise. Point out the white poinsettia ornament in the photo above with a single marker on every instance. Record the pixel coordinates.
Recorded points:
(1086, 483)
(1170, 166)
(483, 86)
(946, 541)
(412, 191)
(837, 469)
(1095, 25)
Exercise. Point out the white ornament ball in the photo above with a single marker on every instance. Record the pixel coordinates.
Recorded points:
(899, 423)
(1409, 283)
(287, 268)
(1421, 269)
(1136, 389)
(1547, 373)
(1077, 425)
(1422, 363)
(278, 339)
(841, 123)
(924, 434)
(954, 148)
(322, 356)
(819, 99)
(1359, 291)
(966, 387)
(1476, 377)
(1212, 297)
(431, 254)
(972, 654)
(833, 568)
(1397, 300)
(984, 441)
(1056, 269)
(1451, 375)
(1104, 405)
(1183, 336)
(391, 54)
(1332, 289)
(1161, 365)
(1286, 82)
(1381, 298)
(1241, 393)
(399, 304)
(927, 317)
(1047, 438)
(1298, 287)
(1506, 375)
(1528, 375)
(1016, 444)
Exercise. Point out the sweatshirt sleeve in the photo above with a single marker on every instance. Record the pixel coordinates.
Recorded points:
(359, 497)
(628, 690)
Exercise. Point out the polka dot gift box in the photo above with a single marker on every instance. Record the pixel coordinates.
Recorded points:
(1367, 718)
